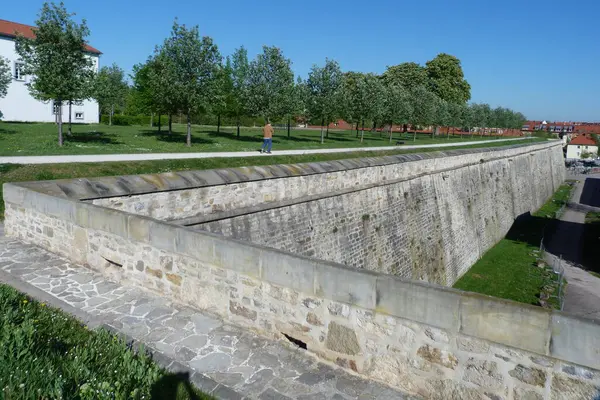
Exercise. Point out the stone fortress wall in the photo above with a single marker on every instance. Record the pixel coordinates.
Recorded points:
(433, 341)
(427, 217)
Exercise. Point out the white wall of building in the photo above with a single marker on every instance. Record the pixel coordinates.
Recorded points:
(575, 151)
(18, 105)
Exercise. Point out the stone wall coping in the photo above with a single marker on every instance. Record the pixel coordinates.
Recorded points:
(522, 326)
(127, 185)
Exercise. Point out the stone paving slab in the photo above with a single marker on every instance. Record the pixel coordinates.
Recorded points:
(222, 359)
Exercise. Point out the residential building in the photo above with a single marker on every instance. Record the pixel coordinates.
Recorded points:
(582, 147)
(18, 104)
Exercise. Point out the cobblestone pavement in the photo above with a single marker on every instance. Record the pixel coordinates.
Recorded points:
(235, 361)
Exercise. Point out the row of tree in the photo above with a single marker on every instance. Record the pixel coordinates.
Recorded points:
(187, 75)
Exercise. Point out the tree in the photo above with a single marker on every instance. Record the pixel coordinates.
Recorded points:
(239, 78)
(409, 75)
(397, 106)
(191, 66)
(424, 108)
(270, 84)
(446, 79)
(56, 58)
(374, 100)
(443, 115)
(5, 78)
(324, 86)
(481, 117)
(224, 95)
(110, 89)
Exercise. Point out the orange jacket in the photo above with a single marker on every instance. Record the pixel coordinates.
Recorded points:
(268, 131)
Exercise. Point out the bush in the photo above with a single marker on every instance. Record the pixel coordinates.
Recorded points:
(47, 354)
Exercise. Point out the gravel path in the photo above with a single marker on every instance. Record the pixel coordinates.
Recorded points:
(174, 156)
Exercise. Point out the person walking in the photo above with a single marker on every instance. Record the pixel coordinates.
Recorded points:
(267, 139)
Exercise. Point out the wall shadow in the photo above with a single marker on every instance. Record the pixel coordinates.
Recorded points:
(170, 387)
(591, 192)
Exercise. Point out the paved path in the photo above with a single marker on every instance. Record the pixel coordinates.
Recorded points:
(221, 359)
(582, 295)
(173, 156)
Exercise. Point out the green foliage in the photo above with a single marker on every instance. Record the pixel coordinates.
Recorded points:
(270, 87)
(446, 79)
(47, 354)
(110, 89)
(56, 57)
(5, 77)
(324, 91)
(409, 75)
(424, 106)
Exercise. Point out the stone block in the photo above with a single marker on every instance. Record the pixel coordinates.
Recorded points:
(238, 309)
(236, 256)
(14, 194)
(342, 339)
(526, 394)
(531, 376)
(564, 387)
(139, 228)
(485, 374)
(348, 285)
(288, 271)
(438, 356)
(162, 235)
(576, 340)
(429, 304)
(107, 220)
(517, 325)
(58, 207)
(196, 245)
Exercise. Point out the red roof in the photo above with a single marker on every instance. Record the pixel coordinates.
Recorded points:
(12, 29)
(583, 140)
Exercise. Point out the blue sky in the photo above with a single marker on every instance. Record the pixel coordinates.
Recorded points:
(538, 57)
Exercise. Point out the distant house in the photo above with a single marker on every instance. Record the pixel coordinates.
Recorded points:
(582, 147)
(18, 105)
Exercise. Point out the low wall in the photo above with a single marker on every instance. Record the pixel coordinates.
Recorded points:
(419, 216)
(436, 342)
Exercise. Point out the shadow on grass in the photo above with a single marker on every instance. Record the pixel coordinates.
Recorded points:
(590, 194)
(7, 131)
(175, 137)
(174, 386)
(92, 137)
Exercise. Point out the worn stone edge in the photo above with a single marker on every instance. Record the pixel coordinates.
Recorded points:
(103, 187)
(200, 381)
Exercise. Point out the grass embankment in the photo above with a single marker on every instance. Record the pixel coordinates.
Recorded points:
(47, 354)
(28, 139)
(510, 269)
(22, 173)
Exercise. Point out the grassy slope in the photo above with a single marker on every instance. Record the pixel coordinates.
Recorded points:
(21, 173)
(47, 354)
(40, 139)
(508, 269)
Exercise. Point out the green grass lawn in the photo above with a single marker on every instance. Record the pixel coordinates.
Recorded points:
(509, 269)
(46, 354)
(22, 173)
(26, 139)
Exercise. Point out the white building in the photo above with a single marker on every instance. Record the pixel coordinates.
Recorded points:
(18, 105)
(581, 145)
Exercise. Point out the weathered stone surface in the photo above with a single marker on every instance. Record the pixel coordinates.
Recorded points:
(342, 339)
(157, 273)
(564, 387)
(484, 374)
(472, 345)
(526, 394)
(174, 279)
(238, 309)
(437, 356)
(312, 319)
(531, 376)
(339, 309)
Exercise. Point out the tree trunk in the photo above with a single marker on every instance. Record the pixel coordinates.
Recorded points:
(289, 123)
(414, 134)
(357, 129)
(362, 132)
(151, 119)
(219, 123)
(170, 123)
(238, 126)
(70, 132)
(327, 134)
(60, 128)
(110, 114)
(391, 132)
(179, 117)
(189, 130)
(159, 115)
(322, 127)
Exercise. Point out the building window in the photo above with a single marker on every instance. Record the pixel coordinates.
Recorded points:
(78, 114)
(19, 75)
(578, 147)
